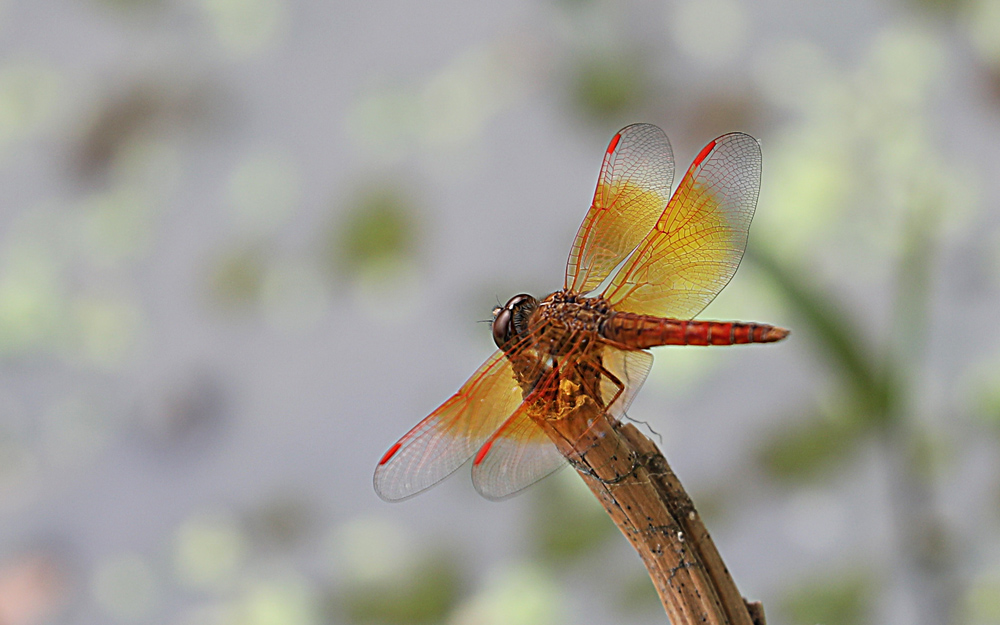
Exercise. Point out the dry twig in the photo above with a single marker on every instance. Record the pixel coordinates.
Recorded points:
(634, 483)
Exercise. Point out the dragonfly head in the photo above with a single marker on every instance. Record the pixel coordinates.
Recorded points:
(510, 321)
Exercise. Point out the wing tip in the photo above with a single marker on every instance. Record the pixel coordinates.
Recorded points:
(389, 454)
(379, 486)
(614, 142)
(705, 151)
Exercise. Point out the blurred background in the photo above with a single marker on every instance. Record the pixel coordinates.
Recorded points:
(246, 244)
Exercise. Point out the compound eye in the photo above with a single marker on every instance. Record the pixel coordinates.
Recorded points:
(501, 327)
(510, 321)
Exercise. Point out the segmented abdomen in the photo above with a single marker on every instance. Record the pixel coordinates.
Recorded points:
(642, 331)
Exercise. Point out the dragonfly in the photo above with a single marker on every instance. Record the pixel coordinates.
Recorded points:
(673, 255)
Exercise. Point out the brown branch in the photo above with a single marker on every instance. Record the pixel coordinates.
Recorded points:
(634, 483)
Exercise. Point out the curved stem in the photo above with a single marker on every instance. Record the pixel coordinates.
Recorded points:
(643, 496)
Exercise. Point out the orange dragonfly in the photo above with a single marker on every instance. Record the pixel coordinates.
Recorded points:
(676, 254)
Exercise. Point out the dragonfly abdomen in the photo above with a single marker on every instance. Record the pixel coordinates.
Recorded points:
(642, 331)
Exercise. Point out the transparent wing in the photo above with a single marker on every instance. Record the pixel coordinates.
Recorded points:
(520, 453)
(632, 189)
(515, 457)
(450, 435)
(698, 242)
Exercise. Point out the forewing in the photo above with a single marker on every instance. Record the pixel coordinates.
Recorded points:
(450, 435)
(519, 453)
(698, 242)
(632, 189)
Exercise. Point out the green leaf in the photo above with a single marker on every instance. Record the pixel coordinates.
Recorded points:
(638, 595)
(944, 9)
(839, 338)
(842, 599)
(568, 521)
(379, 233)
(801, 451)
(982, 600)
(608, 85)
(988, 403)
(425, 596)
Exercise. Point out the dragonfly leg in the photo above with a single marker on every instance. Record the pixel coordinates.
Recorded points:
(581, 465)
(590, 380)
(614, 380)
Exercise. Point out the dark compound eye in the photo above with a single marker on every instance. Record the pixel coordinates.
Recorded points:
(501, 326)
(512, 319)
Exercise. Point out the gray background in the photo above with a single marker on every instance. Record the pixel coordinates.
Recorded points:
(192, 401)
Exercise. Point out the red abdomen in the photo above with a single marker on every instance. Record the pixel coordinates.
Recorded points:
(642, 331)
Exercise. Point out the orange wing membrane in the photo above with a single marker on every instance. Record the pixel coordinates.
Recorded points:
(520, 453)
(632, 190)
(698, 242)
(443, 441)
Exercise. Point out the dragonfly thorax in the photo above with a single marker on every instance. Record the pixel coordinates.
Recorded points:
(564, 318)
